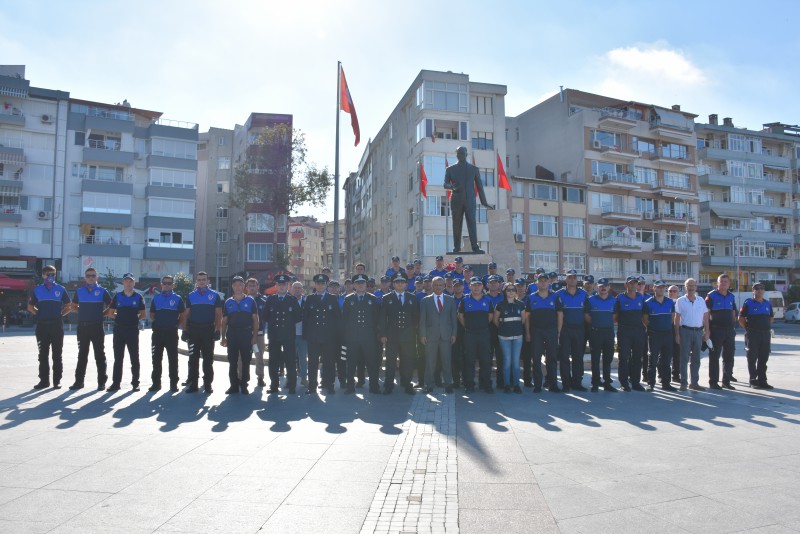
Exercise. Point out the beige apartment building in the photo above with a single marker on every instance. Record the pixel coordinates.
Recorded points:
(306, 248)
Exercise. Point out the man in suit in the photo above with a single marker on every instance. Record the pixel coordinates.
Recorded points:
(360, 324)
(437, 333)
(398, 333)
(463, 179)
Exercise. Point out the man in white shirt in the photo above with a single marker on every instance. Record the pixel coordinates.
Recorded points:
(691, 329)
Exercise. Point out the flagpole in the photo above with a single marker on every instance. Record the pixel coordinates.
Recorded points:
(335, 266)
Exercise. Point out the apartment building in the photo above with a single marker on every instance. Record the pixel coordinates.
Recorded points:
(306, 248)
(328, 237)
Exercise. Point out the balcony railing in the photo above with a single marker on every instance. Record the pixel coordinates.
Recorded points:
(621, 114)
(772, 230)
(104, 144)
(672, 216)
(176, 124)
(8, 174)
(103, 240)
(159, 244)
(764, 201)
(9, 209)
(674, 184)
(110, 114)
(614, 208)
(620, 177)
(674, 245)
(8, 142)
(12, 111)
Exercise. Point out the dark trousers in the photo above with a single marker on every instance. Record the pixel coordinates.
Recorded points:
(362, 351)
(630, 340)
(457, 356)
(282, 355)
(496, 353)
(324, 354)
(757, 343)
(602, 344)
(476, 347)
(544, 341)
(660, 356)
(162, 340)
(405, 351)
(676, 363)
(201, 344)
(724, 340)
(571, 346)
(50, 335)
(240, 350)
(525, 356)
(646, 358)
(126, 337)
(91, 333)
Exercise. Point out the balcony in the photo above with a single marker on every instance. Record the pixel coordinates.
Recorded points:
(298, 249)
(12, 116)
(617, 119)
(116, 220)
(668, 217)
(729, 233)
(10, 213)
(11, 177)
(614, 212)
(168, 251)
(714, 153)
(12, 153)
(618, 180)
(674, 188)
(658, 156)
(616, 152)
(672, 132)
(676, 248)
(747, 210)
(104, 246)
(9, 247)
(618, 244)
(768, 181)
(103, 152)
(186, 193)
(96, 185)
(748, 262)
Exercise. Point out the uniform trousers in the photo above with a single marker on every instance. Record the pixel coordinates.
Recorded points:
(282, 354)
(602, 344)
(660, 355)
(165, 339)
(757, 344)
(50, 336)
(239, 352)
(723, 338)
(126, 336)
(630, 341)
(544, 341)
(476, 347)
(91, 334)
(201, 344)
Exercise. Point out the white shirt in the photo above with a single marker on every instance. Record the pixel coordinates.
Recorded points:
(691, 312)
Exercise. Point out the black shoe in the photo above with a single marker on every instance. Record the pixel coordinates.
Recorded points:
(626, 387)
(579, 388)
(714, 385)
(173, 388)
(374, 389)
(154, 388)
(428, 389)
(506, 389)
(651, 387)
(388, 391)
(764, 385)
(727, 385)
(245, 391)
(42, 385)
(135, 388)
(57, 385)
(553, 389)
(261, 383)
(537, 389)
(76, 385)
(489, 390)
(469, 389)
(350, 390)
(409, 389)
(733, 379)
(231, 390)
(528, 384)
(676, 378)
(185, 383)
(292, 391)
(192, 389)
(113, 387)
(208, 389)
(565, 389)
(517, 389)
(610, 388)
(668, 387)
(638, 387)
(594, 389)
(448, 389)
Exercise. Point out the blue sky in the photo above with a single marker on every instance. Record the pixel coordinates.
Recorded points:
(213, 63)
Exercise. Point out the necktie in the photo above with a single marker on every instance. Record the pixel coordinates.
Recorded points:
(360, 298)
(439, 303)
(401, 300)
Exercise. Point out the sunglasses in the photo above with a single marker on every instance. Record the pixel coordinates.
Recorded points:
(90, 276)
(167, 283)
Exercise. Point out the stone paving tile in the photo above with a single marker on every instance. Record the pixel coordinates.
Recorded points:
(576, 501)
(251, 489)
(209, 516)
(130, 510)
(59, 505)
(291, 519)
(701, 514)
(473, 521)
(630, 520)
(9, 494)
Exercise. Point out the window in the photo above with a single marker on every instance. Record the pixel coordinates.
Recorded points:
(222, 235)
(434, 244)
(487, 177)
(259, 252)
(34, 203)
(95, 172)
(434, 169)
(607, 266)
(436, 206)
(544, 192)
(165, 237)
(748, 249)
(574, 227)
(677, 268)
(647, 266)
(223, 187)
(644, 205)
(544, 225)
(223, 162)
(603, 168)
(518, 161)
(411, 180)
(572, 194)
(222, 213)
(260, 222)
(107, 202)
(607, 139)
(481, 214)
(674, 151)
(482, 141)
(80, 138)
(170, 207)
(173, 178)
(391, 162)
(546, 260)
(681, 180)
(645, 235)
(605, 202)
(517, 188)
(222, 259)
(643, 146)
(516, 223)
(743, 143)
(31, 236)
(575, 260)
(481, 105)
(708, 250)
(442, 96)
(173, 149)
(282, 219)
(221, 141)
(104, 142)
(645, 176)
(442, 129)
(410, 218)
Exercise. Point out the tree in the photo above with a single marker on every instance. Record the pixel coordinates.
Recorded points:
(793, 295)
(107, 281)
(183, 285)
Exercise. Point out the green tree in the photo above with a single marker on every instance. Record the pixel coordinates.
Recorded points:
(183, 285)
(107, 281)
(793, 295)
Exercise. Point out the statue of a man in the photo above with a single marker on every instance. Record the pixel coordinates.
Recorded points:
(463, 179)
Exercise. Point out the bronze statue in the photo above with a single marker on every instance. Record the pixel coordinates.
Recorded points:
(463, 179)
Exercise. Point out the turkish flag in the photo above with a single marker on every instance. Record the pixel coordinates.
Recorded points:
(346, 104)
(423, 181)
(502, 179)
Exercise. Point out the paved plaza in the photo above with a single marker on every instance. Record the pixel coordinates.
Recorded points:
(87, 461)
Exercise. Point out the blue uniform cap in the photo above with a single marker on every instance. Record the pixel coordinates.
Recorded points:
(467, 267)
(333, 283)
(475, 280)
(542, 276)
(237, 279)
(458, 282)
(128, 275)
(409, 265)
(427, 277)
(418, 262)
(281, 279)
(448, 274)
(641, 280)
(419, 279)
(632, 279)
(459, 259)
(395, 258)
(492, 265)
(588, 278)
(386, 278)
(659, 283)
(511, 271)
(321, 279)
(539, 270)
(758, 285)
(552, 275)
(440, 257)
(602, 282)
(370, 280)
(571, 272)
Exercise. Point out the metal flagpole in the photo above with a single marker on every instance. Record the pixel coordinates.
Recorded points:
(335, 265)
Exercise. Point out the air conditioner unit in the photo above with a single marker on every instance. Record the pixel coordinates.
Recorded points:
(47, 119)
(648, 215)
(137, 155)
(44, 215)
(519, 238)
(596, 144)
(597, 179)
(595, 243)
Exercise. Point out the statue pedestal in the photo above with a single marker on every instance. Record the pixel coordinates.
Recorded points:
(501, 242)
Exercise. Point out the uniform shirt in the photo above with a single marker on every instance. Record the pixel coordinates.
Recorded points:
(542, 310)
(128, 308)
(379, 294)
(629, 310)
(340, 299)
(510, 318)
(321, 316)
(457, 274)
(691, 312)
(391, 272)
(93, 299)
(601, 310)
(757, 314)
(496, 299)
(281, 316)
(475, 312)
(419, 295)
(659, 314)
(203, 304)
(435, 272)
(166, 308)
(49, 301)
(572, 306)
(720, 307)
(240, 314)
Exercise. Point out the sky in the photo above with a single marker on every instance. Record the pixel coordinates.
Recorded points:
(214, 63)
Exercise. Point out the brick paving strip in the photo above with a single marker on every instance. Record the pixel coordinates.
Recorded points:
(418, 492)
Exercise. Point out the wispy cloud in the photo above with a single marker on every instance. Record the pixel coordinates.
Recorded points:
(656, 62)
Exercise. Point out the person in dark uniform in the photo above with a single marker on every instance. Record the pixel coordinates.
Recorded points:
(360, 325)
(321, 320)
(542, 333)
(48, 303)
(722, 320)
(127, 308)
(92, 302)
(334, 288)
(570, 303)
(439, 270)
(395, 269)
(756, 318)
(300, 344)
(253, 289)
(658, 317)
(510, 274)
(204, 319)
(492, 271)
(167, 313)
(239, 327)
(397, 327)
(457, 353)
(282, 312)
(599, 313)
(641, 285)
(384, 289)
(630, 335)
(418, 268)
(509, 318)
(474, 313)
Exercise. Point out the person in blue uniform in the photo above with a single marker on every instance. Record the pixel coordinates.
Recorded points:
(281, 314)
(641, 286)
(253, 289)
(418, 268)
(510, 274)
(570, 303)
(321, 326)
(395, 269)
(167, 313)
(48, 303)
(385, 287)
(630, 335)
(673, 293)
(468, 274)
(457, 353)
(756, 318)
(533, 286)
(397, 327)
(360, 324)
(658, 317)
(474, 313)
(495, 295)
(411, 277)
(127, 308)
(599, 313)
(92, 302)
(439, 270)
(722, 320)
(492, 271)
(204, 321)
(525, 352)
(371, 285)
(238, 334)
(458, 272)
(542, 333)
(448, 283)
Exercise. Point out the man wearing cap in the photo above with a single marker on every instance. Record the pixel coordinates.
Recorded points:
(92, 303)
(239, 327)
(253, 289)
(167, 313)
(439, 270)
(463, 179)
(457, 351)
(510, 274)
(589, 285)
(397, 327)
(475, 313)
(756, 318)
(658, 318)
(553, 279)
(437, 333)
(533, 287)
(570, 303)
(204, 319)
(542, 333)
(722, 308)
(360, 324)
(691, 329)
(321, 324)
(630, 335)
(468, 274)
(411, 278)
(418, 268)
(348, 288)
(48, 303)
(492, 268)
(282, 312)
(459, 270)
(599, 313)
(493, 282)
(371, 285)
(448, 283)
(395, 269)
(384, 289)
(127, 308)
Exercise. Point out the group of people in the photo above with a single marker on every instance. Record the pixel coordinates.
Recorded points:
(437, 324)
